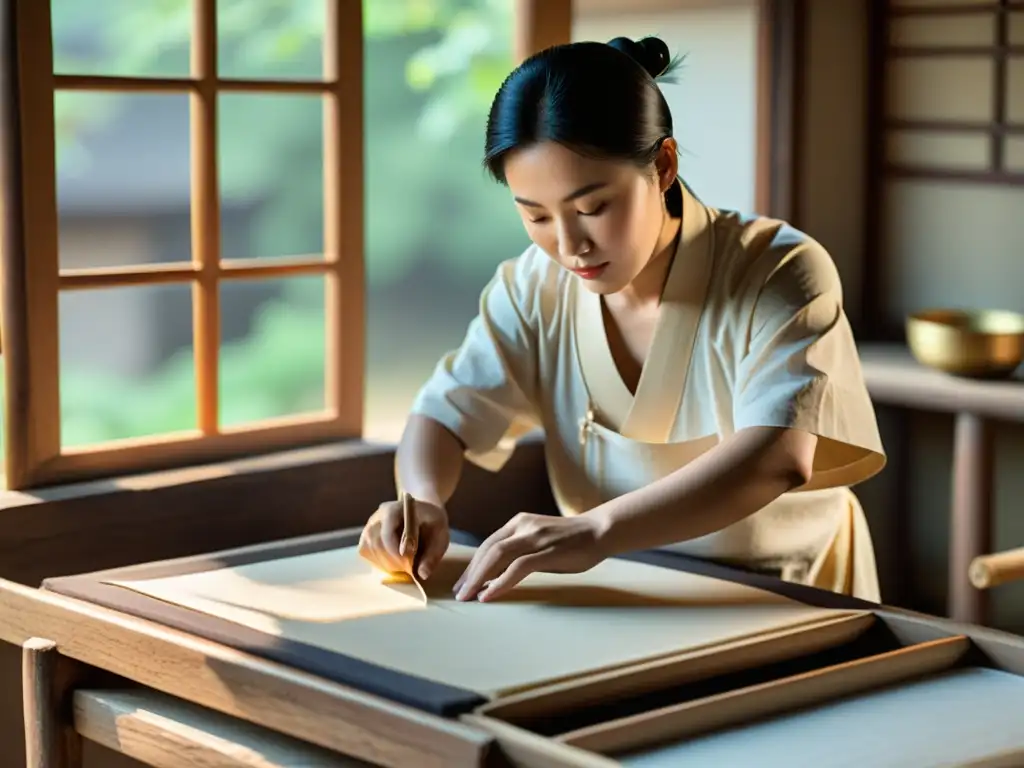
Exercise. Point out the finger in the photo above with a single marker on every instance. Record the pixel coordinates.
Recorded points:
(386, 561)
(519, 569)
(492, 564)
(364, 549)
(434, 547)
(499, 535)
(410, 529)
(390, 530)
(366, 538)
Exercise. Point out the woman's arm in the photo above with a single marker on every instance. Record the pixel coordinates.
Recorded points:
(429, 459)
(735, 479)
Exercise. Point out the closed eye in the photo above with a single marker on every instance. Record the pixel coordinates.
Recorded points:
(596, 211)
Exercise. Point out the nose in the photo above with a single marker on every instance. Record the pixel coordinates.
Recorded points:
(572, 241)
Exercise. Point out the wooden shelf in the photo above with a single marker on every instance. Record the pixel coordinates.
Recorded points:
(894, 377)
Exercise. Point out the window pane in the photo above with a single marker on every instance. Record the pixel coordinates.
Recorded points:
(126, 367)
(123, 178)
(275, 39)
(436, 225)
(122, 37)
(272, 348)
(271, 174)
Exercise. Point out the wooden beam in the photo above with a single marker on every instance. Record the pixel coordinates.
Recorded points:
(50, 742)
(1000, 86)
(872, 259)
(29, 306)
(126, 84)
(780, 75)
(183, 272)
(344, 201)
(971, 515)
(205, 216)
(540, 24)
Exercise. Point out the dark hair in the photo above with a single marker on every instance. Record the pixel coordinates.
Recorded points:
(600, 99)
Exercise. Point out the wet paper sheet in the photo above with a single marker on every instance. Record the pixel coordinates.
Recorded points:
(408, 578)
(550, 627)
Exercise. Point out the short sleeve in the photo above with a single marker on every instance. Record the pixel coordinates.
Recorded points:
(800, 368)
(484, 391)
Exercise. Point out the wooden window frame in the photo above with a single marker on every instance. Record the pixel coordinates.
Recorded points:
(33, 279)
(998, 127)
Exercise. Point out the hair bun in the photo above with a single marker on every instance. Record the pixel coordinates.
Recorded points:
(651, 53)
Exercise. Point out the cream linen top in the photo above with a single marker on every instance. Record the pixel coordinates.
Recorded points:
(751, 332)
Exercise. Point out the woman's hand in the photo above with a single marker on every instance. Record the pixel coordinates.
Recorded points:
(385, 542)
(529, 543)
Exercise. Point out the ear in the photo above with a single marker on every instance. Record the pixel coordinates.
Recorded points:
(667, 163)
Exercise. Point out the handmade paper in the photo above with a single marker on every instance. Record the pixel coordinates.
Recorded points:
(550, 627)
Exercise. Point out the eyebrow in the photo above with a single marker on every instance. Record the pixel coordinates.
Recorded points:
(572, 196)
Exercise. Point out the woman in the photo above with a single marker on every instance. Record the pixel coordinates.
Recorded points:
(692, 368)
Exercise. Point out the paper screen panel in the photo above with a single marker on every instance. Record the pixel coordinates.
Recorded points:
(976, 29)
(942, 88)
(953, 718)
(1014, 153)
(926, 149)
(550, 627)
(1015, 28)
(1015, 90)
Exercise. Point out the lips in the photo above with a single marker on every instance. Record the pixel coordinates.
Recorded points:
(591, 273)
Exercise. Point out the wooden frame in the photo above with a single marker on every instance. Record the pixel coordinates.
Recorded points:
(238, 684)
(539, 24)
(780, 86)
(33, 278)
(856, 650)
(995, 129)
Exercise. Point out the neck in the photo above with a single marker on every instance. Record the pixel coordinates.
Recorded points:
(647, 286)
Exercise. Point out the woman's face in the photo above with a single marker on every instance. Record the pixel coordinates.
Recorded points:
(601, 219)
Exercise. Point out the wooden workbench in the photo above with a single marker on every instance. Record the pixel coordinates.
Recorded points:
(138, 681)
(894, 378)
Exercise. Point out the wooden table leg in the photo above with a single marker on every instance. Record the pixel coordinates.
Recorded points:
(49, 741)
(971, 515)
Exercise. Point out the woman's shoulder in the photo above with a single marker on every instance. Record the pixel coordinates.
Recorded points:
(754, 251)
(533, 282)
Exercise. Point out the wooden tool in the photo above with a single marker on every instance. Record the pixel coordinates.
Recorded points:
(989, 571)
(409, 546)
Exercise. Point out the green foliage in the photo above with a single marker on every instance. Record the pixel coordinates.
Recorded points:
(431, 68)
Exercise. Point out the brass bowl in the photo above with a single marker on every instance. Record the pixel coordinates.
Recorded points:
(975, 343)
